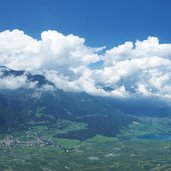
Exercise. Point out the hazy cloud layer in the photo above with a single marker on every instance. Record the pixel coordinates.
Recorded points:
(131, 69)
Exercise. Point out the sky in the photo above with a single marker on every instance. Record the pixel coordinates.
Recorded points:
(100, 22)
(102, 47)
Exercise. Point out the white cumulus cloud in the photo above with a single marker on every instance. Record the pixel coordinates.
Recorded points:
(140, 68)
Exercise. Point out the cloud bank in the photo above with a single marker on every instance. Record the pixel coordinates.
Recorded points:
(142, 68)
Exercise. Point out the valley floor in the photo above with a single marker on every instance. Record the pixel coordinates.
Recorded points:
(143, 146)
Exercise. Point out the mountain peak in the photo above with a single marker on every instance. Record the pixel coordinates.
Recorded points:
(4, 68)
(39, 79)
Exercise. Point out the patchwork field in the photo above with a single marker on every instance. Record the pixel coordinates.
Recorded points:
(39, 149)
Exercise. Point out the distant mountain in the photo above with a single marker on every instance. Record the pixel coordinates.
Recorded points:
(19, 106)
(40, 79)
(5, 71)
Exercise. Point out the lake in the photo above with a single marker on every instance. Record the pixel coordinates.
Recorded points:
(165, 137)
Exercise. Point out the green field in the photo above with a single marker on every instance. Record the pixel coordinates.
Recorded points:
(37, 149)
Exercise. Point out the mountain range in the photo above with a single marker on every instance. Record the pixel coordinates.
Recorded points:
(19, 106)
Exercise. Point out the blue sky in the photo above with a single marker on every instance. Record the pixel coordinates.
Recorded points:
(100, 22)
